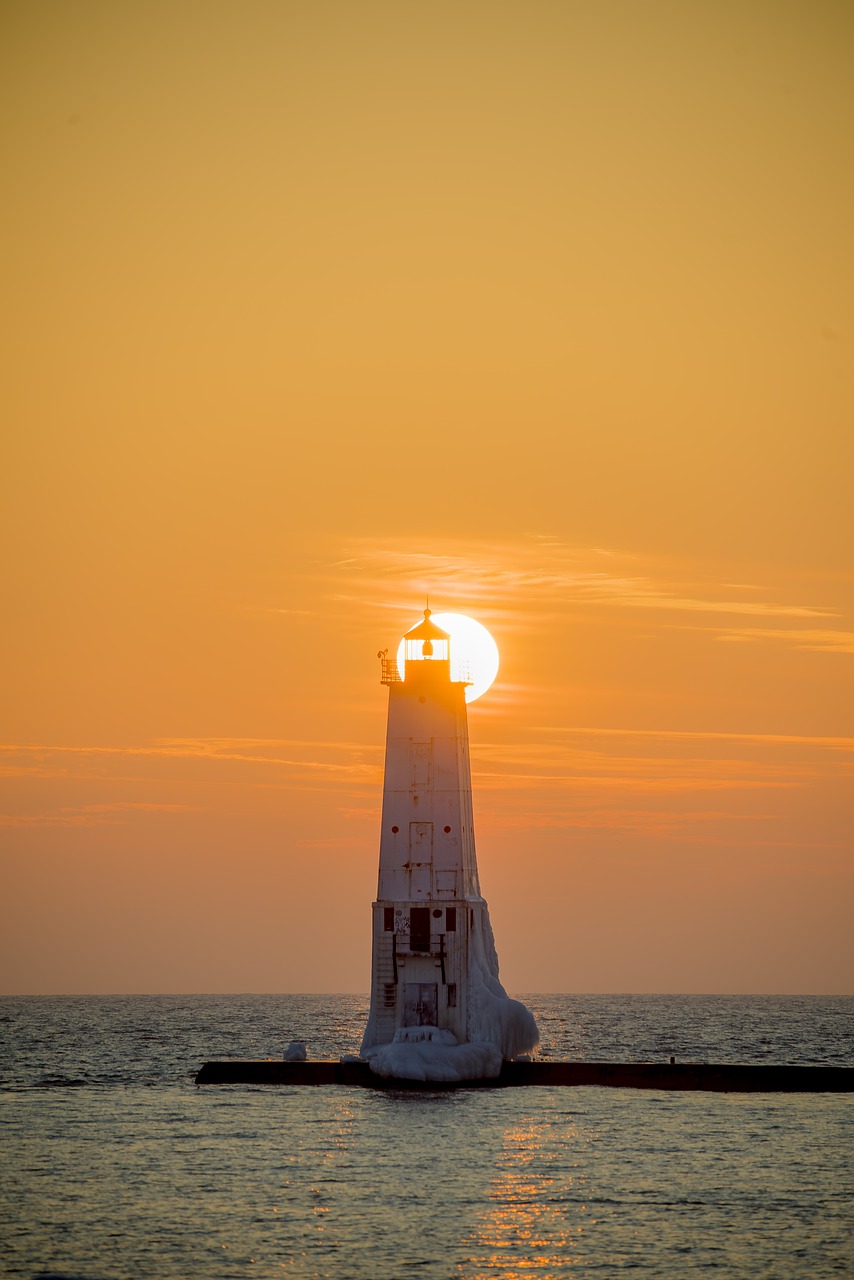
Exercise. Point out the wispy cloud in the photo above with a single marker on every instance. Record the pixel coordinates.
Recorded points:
(28, 769)
(650, 783)
(265, 751)
(541, 577)
(685, 831)
(769, 739)
(658, 822)
(573, 761)
(819, 641)
(93, 815)
(650, 597)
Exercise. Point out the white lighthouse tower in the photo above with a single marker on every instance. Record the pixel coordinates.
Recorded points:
(438, 1010)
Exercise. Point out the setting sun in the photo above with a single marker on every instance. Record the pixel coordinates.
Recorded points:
(474, 653)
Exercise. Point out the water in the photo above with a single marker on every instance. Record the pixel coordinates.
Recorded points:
(115, 1165)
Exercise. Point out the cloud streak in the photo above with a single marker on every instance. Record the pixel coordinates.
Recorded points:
(94, 815)
(701, 735)
(214, 750)
(484, 574)
(819, 641)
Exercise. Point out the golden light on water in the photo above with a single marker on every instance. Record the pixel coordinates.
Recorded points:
(474, 653)
(534, 1221)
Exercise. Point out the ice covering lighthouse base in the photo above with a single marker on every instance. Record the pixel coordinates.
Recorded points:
(438, 1009)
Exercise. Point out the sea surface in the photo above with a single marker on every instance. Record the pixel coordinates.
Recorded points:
(115, 1165)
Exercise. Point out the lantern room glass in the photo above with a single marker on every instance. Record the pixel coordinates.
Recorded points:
(440, 650)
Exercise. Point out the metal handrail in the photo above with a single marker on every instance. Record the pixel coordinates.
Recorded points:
(441, 955)
(390, 672)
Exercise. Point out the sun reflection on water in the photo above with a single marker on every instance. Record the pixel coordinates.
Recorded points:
(535, 1216)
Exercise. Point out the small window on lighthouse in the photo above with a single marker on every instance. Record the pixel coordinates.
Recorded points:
(419, 928)
(452, 995)
(451, 919)
(388, 919)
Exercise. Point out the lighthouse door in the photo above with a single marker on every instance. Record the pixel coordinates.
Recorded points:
(420, 1004)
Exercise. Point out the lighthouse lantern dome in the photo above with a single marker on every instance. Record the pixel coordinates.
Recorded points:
(427, 642)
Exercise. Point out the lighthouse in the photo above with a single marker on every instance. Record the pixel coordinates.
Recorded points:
(438, 1009)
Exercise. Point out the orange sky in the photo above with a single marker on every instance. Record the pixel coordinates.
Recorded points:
(311, 308)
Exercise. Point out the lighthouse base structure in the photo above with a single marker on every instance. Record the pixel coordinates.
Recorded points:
(704, 1076)
(438, 1009)
(430, 1054)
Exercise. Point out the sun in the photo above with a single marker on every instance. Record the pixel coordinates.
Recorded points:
(474, 653)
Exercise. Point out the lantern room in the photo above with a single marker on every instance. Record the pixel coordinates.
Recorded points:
(426, 642)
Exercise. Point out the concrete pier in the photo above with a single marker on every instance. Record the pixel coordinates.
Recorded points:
(712, 1077)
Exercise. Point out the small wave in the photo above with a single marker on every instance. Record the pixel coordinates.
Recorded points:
(60, 1082)
(61, 1275)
